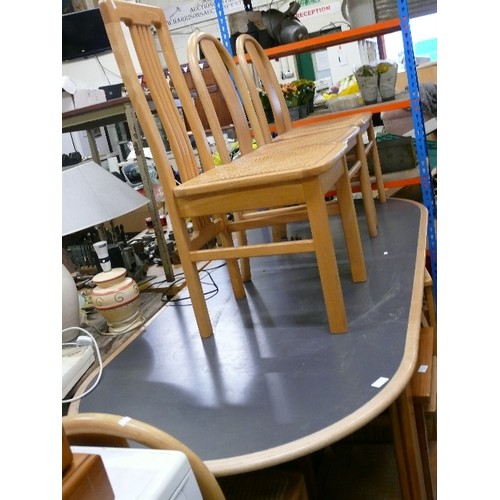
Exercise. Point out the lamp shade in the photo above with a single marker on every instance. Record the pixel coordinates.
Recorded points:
(91, 195)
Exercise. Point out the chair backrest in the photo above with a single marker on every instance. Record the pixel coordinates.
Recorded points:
(252, 58)
(147, 27)
(145, 23)
(234, 89)
(96, 428)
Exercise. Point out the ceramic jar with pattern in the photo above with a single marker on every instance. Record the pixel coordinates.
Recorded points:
(116, 297)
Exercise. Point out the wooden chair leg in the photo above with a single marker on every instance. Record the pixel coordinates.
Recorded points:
(279, 232)
(423, 442)
(374, 156)
(404, 483)
(350, 227)
(366, 188)
(327, 260)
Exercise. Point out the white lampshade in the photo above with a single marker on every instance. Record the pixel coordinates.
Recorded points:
(91, 195)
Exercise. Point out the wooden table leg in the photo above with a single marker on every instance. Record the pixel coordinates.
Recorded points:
(424, 447)
(407, 447)
(399, 452)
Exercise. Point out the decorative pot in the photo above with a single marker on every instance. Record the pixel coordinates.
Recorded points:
(294, 113)
(310, 106)
(116, 297)
(303, 110)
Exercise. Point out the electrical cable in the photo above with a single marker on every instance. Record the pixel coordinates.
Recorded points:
(208, 294)
(104, 70)
(151, 278)
(73, 141)
(333, 25)
(98, 355)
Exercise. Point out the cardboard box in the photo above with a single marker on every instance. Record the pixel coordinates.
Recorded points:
(74, 97)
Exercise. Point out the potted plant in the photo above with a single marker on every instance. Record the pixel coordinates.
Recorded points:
(387, 74)
(305, 94)
(367, 78)
(291, 95)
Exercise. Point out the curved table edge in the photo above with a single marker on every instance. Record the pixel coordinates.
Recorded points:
(362, 416)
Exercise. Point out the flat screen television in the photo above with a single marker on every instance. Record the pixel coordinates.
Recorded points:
(83, 35)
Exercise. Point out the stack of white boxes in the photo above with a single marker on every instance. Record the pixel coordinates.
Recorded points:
(76, 96)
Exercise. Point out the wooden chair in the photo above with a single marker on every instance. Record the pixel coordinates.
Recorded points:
(103, 429)
(358, 171)
(246, 124)
(253, 59)
(275, 175)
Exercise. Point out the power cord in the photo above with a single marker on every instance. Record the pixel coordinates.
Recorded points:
(208, 294)
(81, 341)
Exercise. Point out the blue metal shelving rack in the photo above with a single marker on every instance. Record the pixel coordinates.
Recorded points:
(420, 139)
(418, 124)
(224, 31)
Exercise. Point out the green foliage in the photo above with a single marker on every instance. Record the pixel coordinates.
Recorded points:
(295, 93)
(366, 70)
(305, 90)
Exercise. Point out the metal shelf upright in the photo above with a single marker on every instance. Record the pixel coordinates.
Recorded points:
(420, 138)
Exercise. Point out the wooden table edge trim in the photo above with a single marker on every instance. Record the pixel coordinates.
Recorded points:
(348, 425)
(343, 428)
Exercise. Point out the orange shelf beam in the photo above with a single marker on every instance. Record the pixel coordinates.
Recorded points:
(325, 41)
(388, 184)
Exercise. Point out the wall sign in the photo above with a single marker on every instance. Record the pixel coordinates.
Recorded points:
(189, 13)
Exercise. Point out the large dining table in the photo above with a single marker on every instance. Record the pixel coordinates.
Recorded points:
(272, 384)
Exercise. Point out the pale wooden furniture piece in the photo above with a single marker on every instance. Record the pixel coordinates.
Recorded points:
(84, 476)
(424, 383)
(248, 129)
(104, 429)
(429, 307)
(253, 60)
(248, 46)
(423, 389)
(271, 176)
(100, 429)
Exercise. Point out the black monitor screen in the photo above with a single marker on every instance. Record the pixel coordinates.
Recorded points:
(83, 35)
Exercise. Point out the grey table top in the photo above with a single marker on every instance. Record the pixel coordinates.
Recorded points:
(273, 384)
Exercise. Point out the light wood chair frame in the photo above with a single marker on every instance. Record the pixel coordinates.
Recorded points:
(104, 429)
(254, 61)
(271, 176)
(248, 128)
